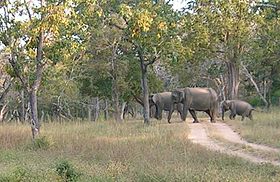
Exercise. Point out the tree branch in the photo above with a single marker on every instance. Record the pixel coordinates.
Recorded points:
(28, 11)
(248, 75)
(17, 71)
(139, 100)
(155, 58)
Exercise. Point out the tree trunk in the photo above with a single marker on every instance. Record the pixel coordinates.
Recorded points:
(35, 124)
(3, 112)
(89, 112)
(145, 91)
(233, 80)
(123, 110)
(106, 112)
(22, 95)
(96, 109)
(115, 89)
(115, 100)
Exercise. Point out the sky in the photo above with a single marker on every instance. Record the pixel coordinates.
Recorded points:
(179, 4)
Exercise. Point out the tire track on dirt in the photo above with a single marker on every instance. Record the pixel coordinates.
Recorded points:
(227, 133)
(199, 134)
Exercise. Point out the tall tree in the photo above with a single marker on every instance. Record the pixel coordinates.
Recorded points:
(227, 28)
(151, 30)
(31, 41)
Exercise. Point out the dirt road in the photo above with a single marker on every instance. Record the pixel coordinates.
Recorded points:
(220, 137)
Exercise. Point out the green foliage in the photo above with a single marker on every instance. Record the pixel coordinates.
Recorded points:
(19, 174)
(66, 171)
(42, 143)
(256, 102)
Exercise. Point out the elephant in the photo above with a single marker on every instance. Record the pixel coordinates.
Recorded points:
(237, 107)
(128, 109)
(196, 99)
(162, 101)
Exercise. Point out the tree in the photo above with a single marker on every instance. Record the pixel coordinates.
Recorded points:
(151, 30)
(227, 29)
(31, 42)
(263, 58)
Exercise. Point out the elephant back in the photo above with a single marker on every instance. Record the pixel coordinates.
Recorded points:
(243, 107)
(202, 98)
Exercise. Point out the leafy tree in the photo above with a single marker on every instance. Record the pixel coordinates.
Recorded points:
(34, 42)
(151, 30)
(223, 30)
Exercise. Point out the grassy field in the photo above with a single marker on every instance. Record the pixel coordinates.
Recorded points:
(264, 129)
(106, 151)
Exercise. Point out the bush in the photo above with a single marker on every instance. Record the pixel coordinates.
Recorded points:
(256, 102)
(19, 174)
(41, 143)
(66, 171)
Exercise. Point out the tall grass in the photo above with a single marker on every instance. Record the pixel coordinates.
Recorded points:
(129, 151)
(265, 127)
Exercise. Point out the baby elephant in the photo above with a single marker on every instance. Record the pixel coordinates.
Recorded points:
(237, 107)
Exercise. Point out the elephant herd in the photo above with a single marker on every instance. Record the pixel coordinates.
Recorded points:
(196, 99)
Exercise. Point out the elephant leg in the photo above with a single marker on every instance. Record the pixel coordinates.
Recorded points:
(212, 119)
(194, 116)
(181, 115)
(242, 117)
(169, 115)
(250, 116)
(231, 116)
(213, 116)
(159, 113)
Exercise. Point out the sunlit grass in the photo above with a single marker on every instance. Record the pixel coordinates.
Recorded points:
(129, 151)
(265, 127)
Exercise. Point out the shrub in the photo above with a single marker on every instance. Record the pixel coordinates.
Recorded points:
(19, 174)
(66, 171)
(41, 143)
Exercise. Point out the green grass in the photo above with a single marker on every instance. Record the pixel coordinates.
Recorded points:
(264, 129)
(107, 151)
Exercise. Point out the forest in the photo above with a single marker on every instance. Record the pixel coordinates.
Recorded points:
(89, 59)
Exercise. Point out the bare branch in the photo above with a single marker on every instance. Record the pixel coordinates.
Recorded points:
(28, 10)
(117, 26)
(15, 67)
(248, 75)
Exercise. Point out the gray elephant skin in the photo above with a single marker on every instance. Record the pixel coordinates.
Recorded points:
(163, 102)
(196, 99)
(237, 107)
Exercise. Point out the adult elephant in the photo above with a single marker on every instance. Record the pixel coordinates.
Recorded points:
(237, 107)
(196, 99)
(163, 102)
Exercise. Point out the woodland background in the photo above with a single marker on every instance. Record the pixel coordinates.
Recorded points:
(89, 59)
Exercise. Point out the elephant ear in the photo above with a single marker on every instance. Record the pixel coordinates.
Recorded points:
(154, 98)
(227, 104)
(178, 96)
(181, 95)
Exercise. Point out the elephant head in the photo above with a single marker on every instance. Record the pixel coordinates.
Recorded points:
(178, 96)
(154, 101)
(226, 105)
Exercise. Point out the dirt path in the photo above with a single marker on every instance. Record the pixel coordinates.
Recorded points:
(201, 133)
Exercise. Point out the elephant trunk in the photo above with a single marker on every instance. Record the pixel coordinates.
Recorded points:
(223, 111)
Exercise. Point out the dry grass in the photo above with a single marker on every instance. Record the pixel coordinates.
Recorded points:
(130, 151)
(264, 129)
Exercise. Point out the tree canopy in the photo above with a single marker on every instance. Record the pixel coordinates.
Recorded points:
(121, 51)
